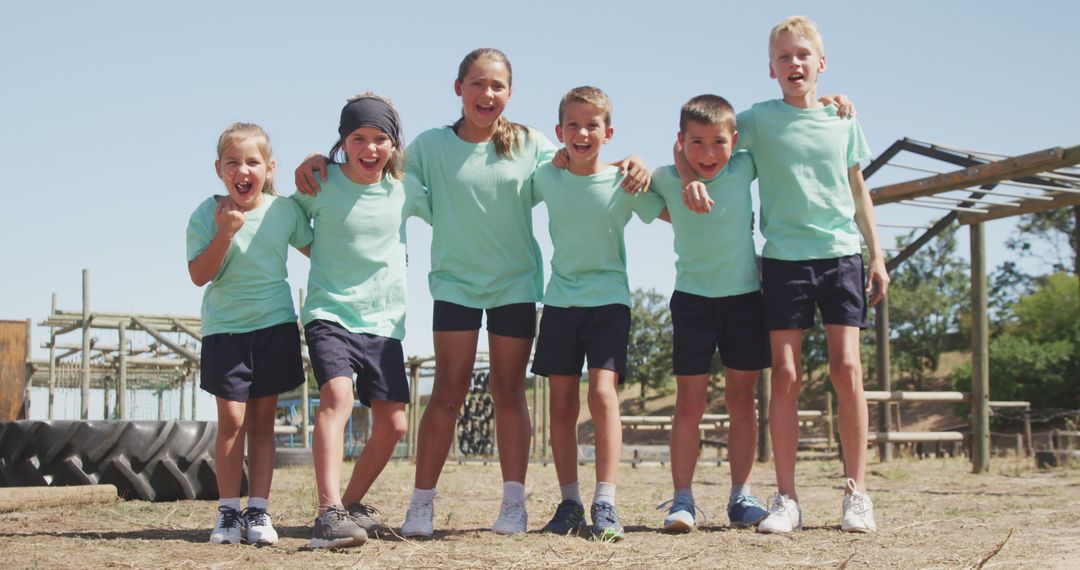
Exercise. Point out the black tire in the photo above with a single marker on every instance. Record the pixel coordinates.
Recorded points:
(292, 457)
(152, 461)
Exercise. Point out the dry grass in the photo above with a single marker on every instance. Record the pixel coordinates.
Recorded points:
(932, 514)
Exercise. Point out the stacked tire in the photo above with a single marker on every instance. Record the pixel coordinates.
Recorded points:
(151, 461)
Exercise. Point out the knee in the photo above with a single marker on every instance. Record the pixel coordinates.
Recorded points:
(603, 396)
(845, 372)
(447, 399)
(504, 389)
(689, 409)
(393, 428)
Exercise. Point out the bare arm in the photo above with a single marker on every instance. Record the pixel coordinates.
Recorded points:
(306, 182)
(306, 250)
(695, 195)
(877, 280)
(206, 266)
(665, 215)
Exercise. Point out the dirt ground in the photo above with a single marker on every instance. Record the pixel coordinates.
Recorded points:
(931, 513)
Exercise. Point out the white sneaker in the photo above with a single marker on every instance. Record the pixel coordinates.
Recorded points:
(260, 529)
(418, 520)
(858, 511)
(784, 515)
(513, 519)
(229, 527)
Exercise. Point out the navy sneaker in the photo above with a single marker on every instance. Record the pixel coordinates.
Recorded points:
(569, 519)
(746, 510)
(605, 522)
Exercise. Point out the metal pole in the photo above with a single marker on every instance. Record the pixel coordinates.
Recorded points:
(121, 381)
(84, 394)
(881, 327)
(764, 395)
(980, 355)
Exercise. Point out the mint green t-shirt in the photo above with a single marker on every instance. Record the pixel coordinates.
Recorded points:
(249, 292)
(803, 157)
(483, 253)
(357, 276)
(715, 251)
(586, 219)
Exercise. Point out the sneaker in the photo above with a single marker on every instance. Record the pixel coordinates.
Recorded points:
(605, 522)
(681, 516)
(418, 520)
(784, 516)
(746, 510)
(513, 519)
(368, 518)
(336, 529)
(858, 511)
(260, 529)
(569, 519)
(229, 528)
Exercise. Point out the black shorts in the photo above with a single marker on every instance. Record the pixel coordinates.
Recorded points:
(791, 289)
(732, 325)
(517, 320)
(377, 361)
(569, 335)
(244, 366)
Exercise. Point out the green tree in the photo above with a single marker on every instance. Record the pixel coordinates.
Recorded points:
(650, 348)
(1058, 230)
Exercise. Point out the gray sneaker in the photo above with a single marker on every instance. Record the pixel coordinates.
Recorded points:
(336, 529)
(368, 518)
(605, 519)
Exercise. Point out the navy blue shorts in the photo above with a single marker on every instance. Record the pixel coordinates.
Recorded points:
(517, 320)
(244, 366)
(792, 289)
(704, 325)
(570, 335)
(377, 361)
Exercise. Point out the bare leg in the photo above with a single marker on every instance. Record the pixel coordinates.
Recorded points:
(513, 431)
(690, 400)
(784, 407)
(845, 369)
(335, 406)
(259, 425)
(604, 408)
(387, 428)
(565, 407)
(742, 436)
(229, 446)
(455, 354)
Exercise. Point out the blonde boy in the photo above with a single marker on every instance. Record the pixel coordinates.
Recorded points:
(586, 304)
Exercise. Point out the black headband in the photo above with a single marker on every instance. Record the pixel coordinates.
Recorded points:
(370, 112)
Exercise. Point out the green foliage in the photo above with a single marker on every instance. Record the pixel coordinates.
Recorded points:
(1052, 312)
(651, 342)
(1056, 232)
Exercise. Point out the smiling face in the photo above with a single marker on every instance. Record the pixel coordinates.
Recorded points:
(484, 91)
(707, 147)
(795, 62)
(583, 129)
(244, 170)
(367, 150)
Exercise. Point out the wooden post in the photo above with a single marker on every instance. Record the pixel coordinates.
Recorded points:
(1027, 433)
(881, 327)
(28, 371)
(830, 427)
(305, 390)
(764, 395)
(182, 381)
(194, 395)
(84, 394)
(980, 355)
(160, 404)
(121, 381)
(414, 407)
(104, 397)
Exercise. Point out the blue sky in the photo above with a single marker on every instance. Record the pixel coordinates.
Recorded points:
(110, 110)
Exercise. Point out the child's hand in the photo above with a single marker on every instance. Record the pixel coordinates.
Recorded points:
(229, 217)
(561, 160)
(877, 282)
(844, 107)
(636, 173)
(305, 174)
(696, 197)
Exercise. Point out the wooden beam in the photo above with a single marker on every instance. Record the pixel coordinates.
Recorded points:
(166, 340)
(980, 354)
(991, 173)
(1027, 207)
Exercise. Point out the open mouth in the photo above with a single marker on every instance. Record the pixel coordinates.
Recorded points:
(708, 167)
(582, 148)
(242, 188)
(795, 77)
(369, 164)
(485, 110)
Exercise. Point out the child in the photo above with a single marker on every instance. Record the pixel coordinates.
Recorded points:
(814, 205)
(483, 259)
(716, 305)
(238, 244)
(586, 305)
(355, 311)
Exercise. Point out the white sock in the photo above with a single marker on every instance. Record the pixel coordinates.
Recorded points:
(423, 496)
(233, 503)
(737, 490)
(514, 491)
(605, 492)
(687, 492)
(571, 492)
(259, 503)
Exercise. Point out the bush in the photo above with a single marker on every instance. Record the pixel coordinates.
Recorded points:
(1043, 373)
